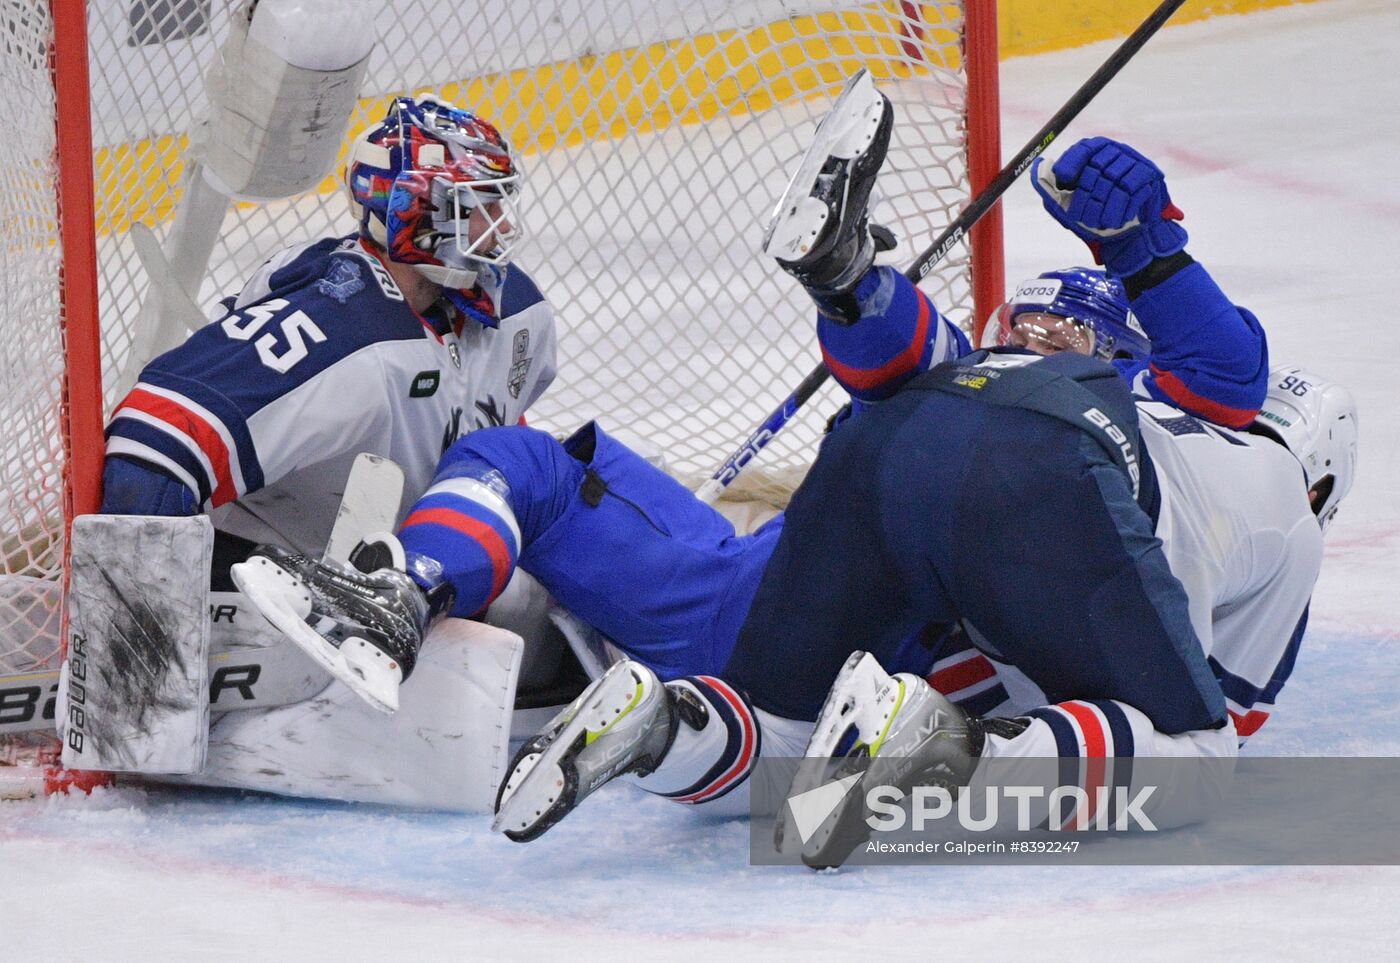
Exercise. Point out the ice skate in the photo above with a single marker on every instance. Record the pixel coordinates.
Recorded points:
(819, 231)
(363, 628)
(623, 723)
(907, 734)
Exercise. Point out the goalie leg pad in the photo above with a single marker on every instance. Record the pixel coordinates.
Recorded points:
(282, 93)
(445, 749)
(134, 690)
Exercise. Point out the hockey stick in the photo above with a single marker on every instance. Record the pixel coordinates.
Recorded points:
(938, 250)
(369, 505)
(169, 311)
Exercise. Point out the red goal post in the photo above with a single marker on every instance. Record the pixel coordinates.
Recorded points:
(656, 136)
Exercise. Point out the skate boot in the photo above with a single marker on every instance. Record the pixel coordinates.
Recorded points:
(364, 628)
(623, 723)
(819, 232)
(907, 734)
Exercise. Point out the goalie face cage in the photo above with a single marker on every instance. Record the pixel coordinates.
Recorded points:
(650, 171)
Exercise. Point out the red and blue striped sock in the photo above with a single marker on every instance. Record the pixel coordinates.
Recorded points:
(468, 529)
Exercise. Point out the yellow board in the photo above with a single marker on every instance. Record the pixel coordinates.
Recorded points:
(689, 81)
(1038, 26)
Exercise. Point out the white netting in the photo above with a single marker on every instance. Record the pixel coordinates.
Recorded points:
(31, 354)
(657, 136)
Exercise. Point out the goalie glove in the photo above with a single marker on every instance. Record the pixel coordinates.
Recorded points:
(1115, 200)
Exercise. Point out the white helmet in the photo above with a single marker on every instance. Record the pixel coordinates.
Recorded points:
(1315, 419)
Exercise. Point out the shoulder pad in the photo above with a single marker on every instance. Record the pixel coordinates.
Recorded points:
(518, 293)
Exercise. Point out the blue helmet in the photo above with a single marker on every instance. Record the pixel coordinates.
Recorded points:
(1094, 303)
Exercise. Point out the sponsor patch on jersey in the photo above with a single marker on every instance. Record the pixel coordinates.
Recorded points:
(1276, 418)
(343, 281)
(520, 363)
(425, 384)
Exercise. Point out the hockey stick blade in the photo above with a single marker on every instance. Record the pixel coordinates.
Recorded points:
(285, 602)
(162, 276)
(370, 504)
(985, 200)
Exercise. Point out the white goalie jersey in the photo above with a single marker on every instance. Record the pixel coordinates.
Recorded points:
(320, 358)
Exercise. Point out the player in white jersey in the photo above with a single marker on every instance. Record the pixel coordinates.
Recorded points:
(394, 340)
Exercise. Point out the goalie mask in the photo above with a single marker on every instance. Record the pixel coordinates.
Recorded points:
(1316, 420)
(1075, 309)
(437, 188)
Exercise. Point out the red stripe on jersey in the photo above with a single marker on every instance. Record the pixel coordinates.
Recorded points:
(962, 675)
(746, 750)
(1248, 724)
(198, 430)
(897, 367)
(1176, 390)
(474, 528)
(1095, 749)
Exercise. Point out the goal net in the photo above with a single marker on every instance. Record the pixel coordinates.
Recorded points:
(656, 134)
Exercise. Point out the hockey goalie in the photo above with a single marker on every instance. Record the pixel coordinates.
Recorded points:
(385, 343)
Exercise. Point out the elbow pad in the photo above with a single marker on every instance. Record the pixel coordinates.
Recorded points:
(135, 488)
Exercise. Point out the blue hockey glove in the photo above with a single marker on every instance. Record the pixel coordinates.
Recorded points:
(1113, 199)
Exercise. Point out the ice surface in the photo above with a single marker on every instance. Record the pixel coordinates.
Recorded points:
(1278, 134)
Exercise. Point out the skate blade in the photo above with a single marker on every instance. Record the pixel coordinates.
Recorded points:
(285, 601)
(855, 684)
(845, 131)
(536, 784)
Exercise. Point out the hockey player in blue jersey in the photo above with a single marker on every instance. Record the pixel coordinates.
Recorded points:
(1143, 575)
(395, 339)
